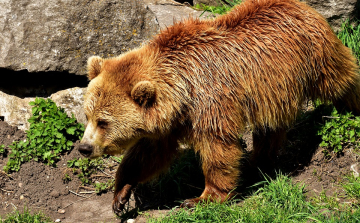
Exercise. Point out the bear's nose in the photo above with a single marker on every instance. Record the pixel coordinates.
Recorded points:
(85, 149)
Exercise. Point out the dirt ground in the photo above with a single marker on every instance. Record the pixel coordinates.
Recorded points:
(41, 188)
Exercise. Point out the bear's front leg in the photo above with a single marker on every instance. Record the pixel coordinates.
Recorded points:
(220, 164)
(142, 162)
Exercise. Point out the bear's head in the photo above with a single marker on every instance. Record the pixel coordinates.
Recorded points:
(120, 94)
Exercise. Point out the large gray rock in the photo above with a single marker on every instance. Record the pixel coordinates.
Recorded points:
(336, 11)
(59, 35)
(16, 111)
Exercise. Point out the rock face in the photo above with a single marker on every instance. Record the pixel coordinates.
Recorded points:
(336, 11)
(17, 111)
(59, 35)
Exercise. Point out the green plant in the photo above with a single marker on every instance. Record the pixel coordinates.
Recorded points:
(222, 9)
(51, 133)
(340, 131)
(350, 36)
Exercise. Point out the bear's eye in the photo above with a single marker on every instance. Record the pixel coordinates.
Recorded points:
(102, 124)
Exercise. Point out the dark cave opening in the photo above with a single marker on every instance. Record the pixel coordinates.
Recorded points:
(41, 84)
(183, 1)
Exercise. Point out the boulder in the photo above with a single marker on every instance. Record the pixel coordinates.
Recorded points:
(59, 35)
(16, 111)
(337, 11)
(44, 44)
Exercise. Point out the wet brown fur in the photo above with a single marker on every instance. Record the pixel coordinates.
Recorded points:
(205, 81)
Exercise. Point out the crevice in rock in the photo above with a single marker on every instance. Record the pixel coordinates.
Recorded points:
(183, 1)
(41, 84)
(2, 118)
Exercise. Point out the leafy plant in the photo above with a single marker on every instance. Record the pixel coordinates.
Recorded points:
(340, 131)
(51, 133)
(216, 10)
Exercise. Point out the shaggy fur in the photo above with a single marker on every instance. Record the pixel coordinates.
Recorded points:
(202, 82)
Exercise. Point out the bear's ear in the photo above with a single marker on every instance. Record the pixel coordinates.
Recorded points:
(94, 66)
(143, 93)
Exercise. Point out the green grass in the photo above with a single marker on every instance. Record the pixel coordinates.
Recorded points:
(280, 200)
(350, 36)
(352, 187)
(25, 217)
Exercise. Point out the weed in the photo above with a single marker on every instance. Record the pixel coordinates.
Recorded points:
(66, 178)
(85, 167)
(51, 133)
(103, 187)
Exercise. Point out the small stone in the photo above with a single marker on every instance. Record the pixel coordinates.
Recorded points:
(20, 184)
(355, 169)
(57, 220)
(22, 197)
(55, 194)
(61, 211)
(130, 221)
(64, 191)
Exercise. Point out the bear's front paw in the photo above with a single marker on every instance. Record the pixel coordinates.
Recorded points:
(121, 198)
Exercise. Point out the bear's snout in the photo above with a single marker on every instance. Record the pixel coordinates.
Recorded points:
(86, 149)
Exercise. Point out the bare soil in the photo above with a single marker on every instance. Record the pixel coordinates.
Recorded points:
(41, 188)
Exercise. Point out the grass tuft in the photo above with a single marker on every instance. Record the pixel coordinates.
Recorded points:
(350, 36)
(25, 217)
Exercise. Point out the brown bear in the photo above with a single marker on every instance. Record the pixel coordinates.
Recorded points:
(202, 82)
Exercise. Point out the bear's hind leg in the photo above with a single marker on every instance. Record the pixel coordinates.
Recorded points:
(266, 144)
(220, 164)
(350, 100)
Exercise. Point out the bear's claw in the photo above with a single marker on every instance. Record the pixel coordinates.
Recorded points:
(190, 203)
